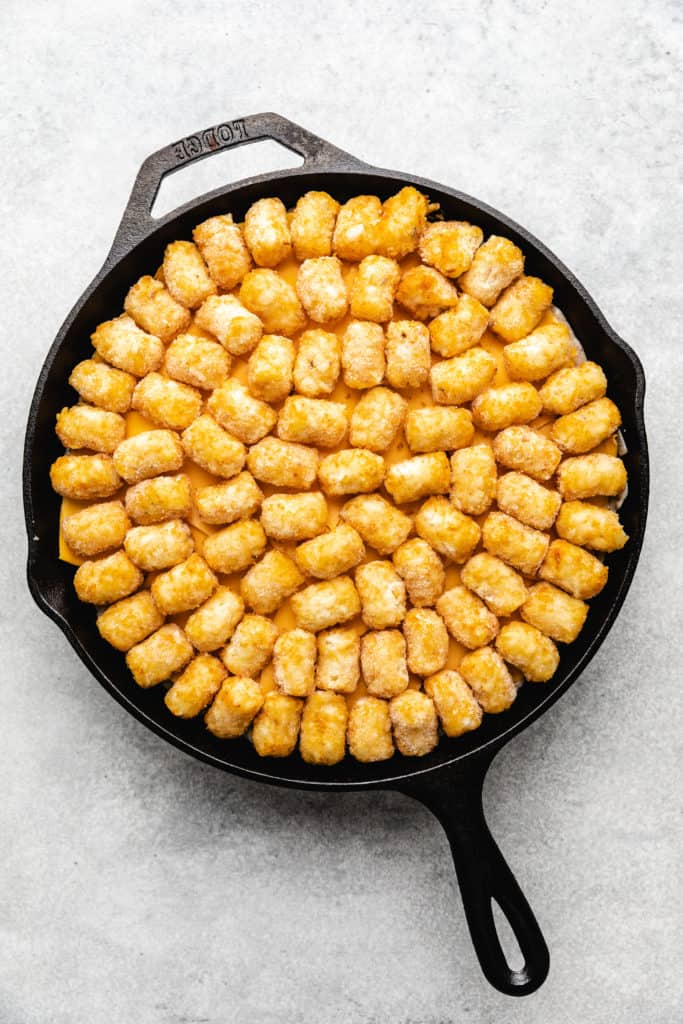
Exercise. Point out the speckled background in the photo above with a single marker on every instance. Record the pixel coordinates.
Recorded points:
(136, 885)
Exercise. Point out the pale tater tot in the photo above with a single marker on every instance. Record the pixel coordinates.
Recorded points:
(159, 656)
(467, 618)
(148, 454)
(355, 231)
(161, 546)
(362, 354)
(582, 430)
(167, 402)
(338, 666)
(283, 463)
(495, 265)
(154, 309)
(529, 650)
(555, 613)
(500, 407)
(196, 687)
(234, 707)
(568, 389)
(85, 426)
(246, 418)
(438, 428)
(520, 307)
(214, 622)
(450, 532)
(418, 477)
(317, 363)
(322, 737)
(420, 568)
(251, 646)
(539, 353)
(383, 662)
(426, 641)
(238, 498)
(450, 246)
(488, 676)
(425, 293)
(457, 329)
(326, 604)
(517, 544)
(271, 366)
(96, 529)
(266, 232)
(369, 730)
(322, 290)
(590, 476)
(294, 657)
(276, 727)
(527, 500)
(458, 710)
(270, 582)
(314, 421)
(460, 379)
(527, 451)
(499, 586)
(373, 287)
(590, 526)
(382, 595)
(377, 419)
(473, 479)
(331, 554)
(312, 225)
(237, 328)
(122, 343)
(404, 216)
(222, 245)
(294, 517)
(235, 548)
(197, 361)
(184, 587)
(186, 275)
(407, 354)
(108, 579)
(212, 448)
(415, 723)
(84, 477)
(380, 525)
(351, 471)
(129, 621)
(103, 386)
(273, 301)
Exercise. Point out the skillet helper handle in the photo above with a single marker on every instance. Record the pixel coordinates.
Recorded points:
(317, 153)
(484, 876)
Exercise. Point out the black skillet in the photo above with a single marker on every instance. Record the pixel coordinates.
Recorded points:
(449, 780)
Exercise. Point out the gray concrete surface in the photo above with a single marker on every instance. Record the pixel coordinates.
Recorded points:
(136, 885)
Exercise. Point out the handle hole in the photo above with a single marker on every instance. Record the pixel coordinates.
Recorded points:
(507, 938)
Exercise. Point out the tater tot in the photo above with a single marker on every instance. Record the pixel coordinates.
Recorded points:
(238, 498)
(500, 407)
(380, 525)
(270, 582)
(317, 363)
(234, 707)
(555, 613)
(326, 604)
(383, 661)
(85, 426)
(338, 666)
(167, 402)
(273, 301)
(129, 621)
(460, 379)
(418, 477)
(235, 548)
(270, 368)
(186, 275)
(527, 500)
(403, 220)
(312, 225)
(159, 656)
(266, 232)
(351, 471)
(458, 710)
(313, 421)
(283, 464)
(196, 687)
(237, 328)
(527, 451)
(377, 419)
(251, 646)
(426, 641)
(288, 517)
(148, 454)
(590, 526)
(247, 418)
(96, 529)
(517, 544)
(355, 232)
(108, 579)
(407, 354)
(121, 343)
(420, 568)
(214, 622)
(213, 448)
(154, 309)
(467, 618)
(276, 727)
(84, 477)
(373, 287)
(222, 245)
(453, 332)
(413, 717)
(450, 246)
(499, 586)
(322, 738)
(452, 534)
(582, 430)
(473, 479)
(520, 307)
(294, 657)
(362, 354)
(435, 429)
(487, 675)
(197, 361)
(589, 476)
(185, 586)
(369, 730)
(425, 293)
(382, 595)
(322, 290)
(495, 265)
(539, 353)
(568, 389)
(103, 386)
(161, 546)
(331, 554)
(529, 650)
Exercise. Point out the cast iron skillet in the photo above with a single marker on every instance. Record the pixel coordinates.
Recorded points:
(449, 780)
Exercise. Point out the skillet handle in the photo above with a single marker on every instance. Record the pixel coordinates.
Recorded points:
(137, 220)
(483, 875)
